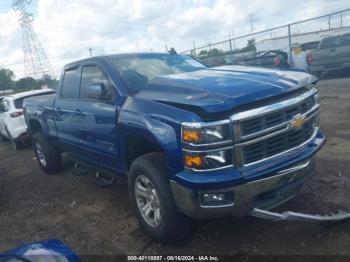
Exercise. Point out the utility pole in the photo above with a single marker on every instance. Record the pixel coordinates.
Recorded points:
(194, 48)
(251, 21)
(233, 40)
(231, 50)
(90, 50)
(290, 46)
(329, 22)
(341, 21)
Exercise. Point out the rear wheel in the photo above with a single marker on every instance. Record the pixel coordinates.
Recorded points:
(48, 157)
(152, 200)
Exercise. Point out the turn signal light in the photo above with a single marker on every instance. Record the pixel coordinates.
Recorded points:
(191, 135)
(194, 161)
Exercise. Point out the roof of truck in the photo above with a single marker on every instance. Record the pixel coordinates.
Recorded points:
(72, 64)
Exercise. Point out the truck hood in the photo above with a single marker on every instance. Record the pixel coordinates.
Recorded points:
(223, 89)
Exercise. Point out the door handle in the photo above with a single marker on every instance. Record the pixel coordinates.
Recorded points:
(332, 50)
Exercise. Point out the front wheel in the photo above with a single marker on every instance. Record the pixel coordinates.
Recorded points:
(48, 157)
(152, 200)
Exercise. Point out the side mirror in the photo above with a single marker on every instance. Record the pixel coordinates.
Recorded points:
(95, 91)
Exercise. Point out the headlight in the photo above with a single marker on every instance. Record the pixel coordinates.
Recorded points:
(206, 145)
(201, 134)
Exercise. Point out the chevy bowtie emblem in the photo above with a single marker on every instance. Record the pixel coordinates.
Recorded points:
(298, 121)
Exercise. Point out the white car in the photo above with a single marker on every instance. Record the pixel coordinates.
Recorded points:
(12, 122)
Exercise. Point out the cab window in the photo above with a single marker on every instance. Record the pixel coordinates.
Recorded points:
(70, 85)
(94, 75)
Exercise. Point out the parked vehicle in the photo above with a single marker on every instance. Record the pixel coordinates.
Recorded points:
(12, 123)
(269, 59)
(192, 142)
(308, 48)
(333, 53)
(214, 61)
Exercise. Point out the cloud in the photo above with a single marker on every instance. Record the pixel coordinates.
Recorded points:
(67, 28)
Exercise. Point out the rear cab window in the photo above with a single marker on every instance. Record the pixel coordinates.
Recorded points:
(70, 84)
(337, 41)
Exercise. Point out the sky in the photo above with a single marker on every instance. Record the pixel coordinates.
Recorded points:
(68, 28)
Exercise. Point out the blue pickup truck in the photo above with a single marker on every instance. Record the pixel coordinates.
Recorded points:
(192, 141)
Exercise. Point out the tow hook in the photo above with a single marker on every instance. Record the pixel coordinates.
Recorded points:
(300, 217)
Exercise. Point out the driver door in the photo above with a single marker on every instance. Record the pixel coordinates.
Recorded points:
(98, 130)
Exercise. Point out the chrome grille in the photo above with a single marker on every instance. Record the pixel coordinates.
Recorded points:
(258, 124)
(268, 131)
(279, 143)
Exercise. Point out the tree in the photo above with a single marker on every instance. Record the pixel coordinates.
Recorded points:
(48, 81)
(215, 52)
(203, 53)
(6, 79)
(27, 82)
(250, 46)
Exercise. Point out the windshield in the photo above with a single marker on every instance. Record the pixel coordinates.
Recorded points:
(138, 70)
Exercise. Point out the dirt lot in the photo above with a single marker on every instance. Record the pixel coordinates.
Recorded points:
(93, 220)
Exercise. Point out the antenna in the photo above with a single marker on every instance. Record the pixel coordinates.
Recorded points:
(36, 63)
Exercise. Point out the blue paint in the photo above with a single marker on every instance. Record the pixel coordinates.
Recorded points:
(99, 132)
(53, 249)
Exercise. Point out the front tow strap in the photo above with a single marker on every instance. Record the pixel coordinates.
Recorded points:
(300, 217)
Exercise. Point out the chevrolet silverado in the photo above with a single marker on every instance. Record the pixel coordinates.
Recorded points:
(191, 141)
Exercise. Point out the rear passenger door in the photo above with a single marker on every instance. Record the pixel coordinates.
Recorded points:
(98, 130)
(67, 116)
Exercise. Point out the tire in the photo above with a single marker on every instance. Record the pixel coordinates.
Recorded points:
(17, 145)
(172, 225)
(3, 138)
(48, 157)
(319, 74)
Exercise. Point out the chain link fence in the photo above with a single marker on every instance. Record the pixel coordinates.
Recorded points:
(305, 34)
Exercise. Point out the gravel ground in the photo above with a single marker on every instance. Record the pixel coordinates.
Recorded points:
(94, 220)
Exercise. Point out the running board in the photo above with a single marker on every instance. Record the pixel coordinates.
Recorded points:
(103, 180)
(300, 217)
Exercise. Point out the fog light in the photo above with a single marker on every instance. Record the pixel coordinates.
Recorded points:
(193, 161)
(217, 199)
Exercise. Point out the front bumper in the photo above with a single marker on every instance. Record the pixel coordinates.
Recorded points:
(264, 193)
